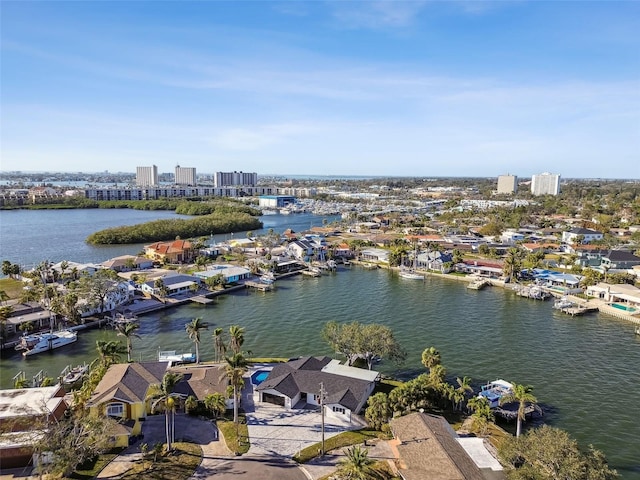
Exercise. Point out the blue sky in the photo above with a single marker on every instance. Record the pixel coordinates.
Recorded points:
(449, 88)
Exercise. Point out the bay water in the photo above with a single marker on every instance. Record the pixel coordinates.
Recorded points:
(584, 370)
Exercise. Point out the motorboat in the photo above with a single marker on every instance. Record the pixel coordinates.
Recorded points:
(268, 278)
(494, 391)
(43, 342)
(562, 303)
(73, 374)
(176, 358)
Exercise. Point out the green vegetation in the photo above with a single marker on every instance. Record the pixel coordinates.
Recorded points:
(178, 465)
(548, 453)
(235, 436)
(369, 342)
(91, 468)
(13, 288)
(169, 229)
(341, 440)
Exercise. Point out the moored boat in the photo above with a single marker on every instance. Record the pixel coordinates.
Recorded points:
(73, 374)
(176, 358)
(410, 274)
(494, 391)
(562, 303)
(43, 342)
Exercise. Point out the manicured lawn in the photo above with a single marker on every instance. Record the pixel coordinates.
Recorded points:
(90, 469)
(13, 288)
(238, 443)
(179, 465)
(343, 440)
(386, 385)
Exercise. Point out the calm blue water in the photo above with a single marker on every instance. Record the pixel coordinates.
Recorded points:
(584, 370)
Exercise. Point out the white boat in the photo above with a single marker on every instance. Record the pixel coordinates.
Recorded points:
(176, 358)
(43, 342)
(410, 274)
(72, 375)
(267, 278)
(494, 391)
(562, 303)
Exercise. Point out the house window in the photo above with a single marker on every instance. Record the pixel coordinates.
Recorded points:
(115, 409)
(339, 410)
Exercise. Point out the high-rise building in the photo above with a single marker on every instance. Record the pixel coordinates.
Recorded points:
(507, 184)
(147, 176)
(226, 179)
(185, 176)
(545, 184)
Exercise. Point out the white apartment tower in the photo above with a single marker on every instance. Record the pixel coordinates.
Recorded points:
(185, 176)
(545, 184)
(147, 176)
(227, 179)
(507, 184)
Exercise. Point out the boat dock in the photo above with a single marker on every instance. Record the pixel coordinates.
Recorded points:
(478, 284)
(202, 300)
(577, 310)
(263, 287)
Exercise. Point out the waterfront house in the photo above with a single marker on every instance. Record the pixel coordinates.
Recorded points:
(24, 415)
(346, 388)
(301, 249)
(377, 255)
(176, 284)
(230, 273)
(126, 263)
(480, 268)
(122, 394)
(615, 293)
(342, 250)
(178, 251)
(585, 234)
(31, 312)
(425, 446)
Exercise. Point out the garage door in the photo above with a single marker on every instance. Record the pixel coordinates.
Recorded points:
(271, 398)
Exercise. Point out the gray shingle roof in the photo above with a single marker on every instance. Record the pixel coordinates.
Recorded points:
(305, 375)
(428, 449)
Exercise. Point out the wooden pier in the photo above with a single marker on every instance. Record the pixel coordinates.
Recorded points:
(202, 300)
(263, 287)
(478, 284)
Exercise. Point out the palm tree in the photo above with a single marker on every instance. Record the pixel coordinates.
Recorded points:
(128, 331)
(110, 351)
(464, 387)
(236, 338)
(162, 395)
(218, 344)
(512, 263)
(216, 403)
(357, 465)
(193, 330)
(431, 357)
(236, 368)
(522, 394)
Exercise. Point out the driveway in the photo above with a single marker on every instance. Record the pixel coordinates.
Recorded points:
(192, 429)
(273, 430)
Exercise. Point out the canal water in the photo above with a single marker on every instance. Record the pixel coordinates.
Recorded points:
(584, 370)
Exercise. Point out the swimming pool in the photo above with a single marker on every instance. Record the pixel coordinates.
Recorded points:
(259, 376)
(624, 307)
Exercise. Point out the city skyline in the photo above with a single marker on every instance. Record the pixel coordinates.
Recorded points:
(413, 89)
